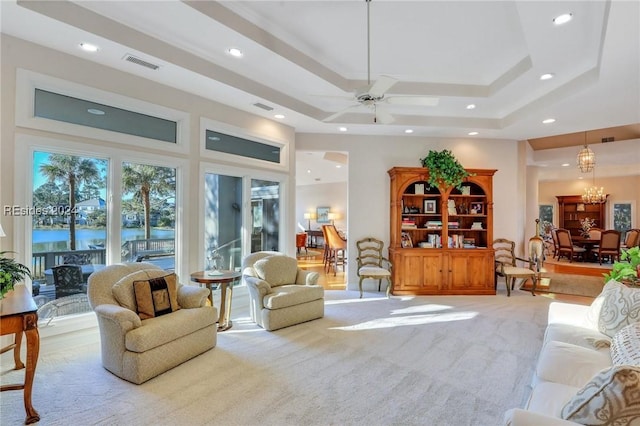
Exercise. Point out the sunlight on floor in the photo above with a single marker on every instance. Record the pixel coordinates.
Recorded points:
(411, 320)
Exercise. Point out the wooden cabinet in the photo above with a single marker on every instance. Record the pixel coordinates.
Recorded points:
(571, 210)
(441, 237)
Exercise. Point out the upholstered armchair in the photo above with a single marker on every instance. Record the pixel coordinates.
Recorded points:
(280, 293)
(137, 349)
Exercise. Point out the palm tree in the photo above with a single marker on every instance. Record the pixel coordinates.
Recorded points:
(74, 171)
(144, 180)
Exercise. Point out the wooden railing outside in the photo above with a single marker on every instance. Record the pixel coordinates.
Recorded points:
(46, 260)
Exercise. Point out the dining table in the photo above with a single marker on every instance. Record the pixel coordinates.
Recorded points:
(587, 243)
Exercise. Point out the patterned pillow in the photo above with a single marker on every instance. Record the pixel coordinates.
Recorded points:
(277, 270)
(625, 346)
(156, 296)
(616, 307)
(123, 289)
(611, 397)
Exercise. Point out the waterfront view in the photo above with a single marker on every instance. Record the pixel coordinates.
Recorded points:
(45, 240)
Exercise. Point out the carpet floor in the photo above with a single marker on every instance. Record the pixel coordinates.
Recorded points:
(443, 360)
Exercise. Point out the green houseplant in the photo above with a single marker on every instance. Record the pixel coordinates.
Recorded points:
(11, 272)
(626, 270)
(444, 170)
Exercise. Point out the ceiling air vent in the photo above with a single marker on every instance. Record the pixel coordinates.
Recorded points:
(610, 139)
(263, 106)
(141, 62)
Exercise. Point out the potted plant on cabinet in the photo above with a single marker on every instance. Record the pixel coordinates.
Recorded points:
(626, 270)
(444, 169)
(11, 272)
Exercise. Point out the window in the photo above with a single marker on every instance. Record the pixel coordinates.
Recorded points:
(148, 214)
(622, 214)
(216, 141)
(69, 219)
(92, 114)
(545, 214)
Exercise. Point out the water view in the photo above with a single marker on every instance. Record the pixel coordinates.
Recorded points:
(45, 240)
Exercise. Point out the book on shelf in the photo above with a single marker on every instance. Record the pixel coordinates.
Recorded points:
(454, 225)
(476, 225)
(433, 224)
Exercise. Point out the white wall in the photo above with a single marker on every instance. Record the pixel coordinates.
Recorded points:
(333, 195)
(371, 156)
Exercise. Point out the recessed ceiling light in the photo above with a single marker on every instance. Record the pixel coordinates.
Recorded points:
(280, 116)
(234, 51)
(308, 170)
(471, 106)
(549, 121)
(408, 131)
(565, 164)
(88, 47)
(472, 133)
(547, 76)
(338, 166)
(562, 19)
(95, 111)
(342, 129)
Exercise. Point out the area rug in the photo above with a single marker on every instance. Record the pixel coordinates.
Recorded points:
(443, 360)
(577, 285)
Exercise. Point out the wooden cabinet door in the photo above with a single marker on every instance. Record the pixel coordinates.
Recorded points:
(417, 271)
(470, 272)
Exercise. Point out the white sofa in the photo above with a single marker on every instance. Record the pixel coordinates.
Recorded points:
(588, 370)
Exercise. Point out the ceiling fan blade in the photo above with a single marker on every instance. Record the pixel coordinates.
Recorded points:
(380, 87)
(412, 100)
(383, 116)
(339, 113)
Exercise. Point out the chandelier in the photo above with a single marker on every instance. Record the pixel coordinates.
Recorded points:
(586, 157)
(594, 194)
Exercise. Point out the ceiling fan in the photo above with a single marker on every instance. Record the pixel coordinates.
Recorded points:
(373, 95)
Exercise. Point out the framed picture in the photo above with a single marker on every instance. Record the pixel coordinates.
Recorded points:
(322, 215)
(580, 207)
(477, 208)
(406, 240)
(429, 206)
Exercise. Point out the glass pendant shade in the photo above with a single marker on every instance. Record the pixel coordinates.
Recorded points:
(586, 159)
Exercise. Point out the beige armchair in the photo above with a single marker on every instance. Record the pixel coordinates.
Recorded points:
(137, 350)
(280, 293)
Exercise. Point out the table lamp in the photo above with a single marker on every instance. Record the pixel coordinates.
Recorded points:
(309, 216)
(332, 217)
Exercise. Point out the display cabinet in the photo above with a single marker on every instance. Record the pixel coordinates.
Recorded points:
(440, 240)
(572, 210)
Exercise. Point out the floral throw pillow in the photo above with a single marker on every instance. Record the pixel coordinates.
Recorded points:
(616, 307)
(610, 398)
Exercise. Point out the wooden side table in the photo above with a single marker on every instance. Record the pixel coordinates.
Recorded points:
(222, 279)
(18, 315)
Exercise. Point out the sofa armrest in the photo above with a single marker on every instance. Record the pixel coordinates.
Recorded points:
(520, 417)
(125, 318)
(257, 285)
(191, 296)
(307, 277)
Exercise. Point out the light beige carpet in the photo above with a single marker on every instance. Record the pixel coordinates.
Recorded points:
(444, 360)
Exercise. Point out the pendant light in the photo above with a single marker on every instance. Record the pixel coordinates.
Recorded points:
(586, 157)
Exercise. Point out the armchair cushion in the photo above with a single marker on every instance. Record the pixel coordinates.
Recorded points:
(277, 270)
(156, 296)
(123, 289)
(289, 295)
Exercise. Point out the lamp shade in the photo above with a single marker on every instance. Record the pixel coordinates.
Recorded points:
(309, 216)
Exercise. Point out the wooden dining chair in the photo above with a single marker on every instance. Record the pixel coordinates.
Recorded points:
(609, 245)
(631, 239)
(566, 246)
